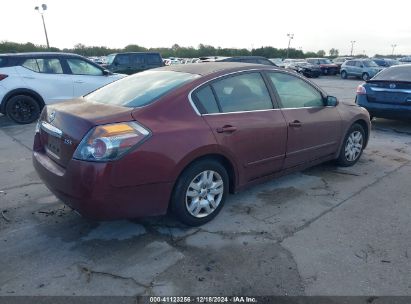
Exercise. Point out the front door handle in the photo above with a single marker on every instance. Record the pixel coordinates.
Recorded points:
(226, 129)
(295, 124)
(78, 81)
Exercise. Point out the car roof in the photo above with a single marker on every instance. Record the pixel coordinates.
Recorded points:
(43, 54)
(127, 53)
(208, 68)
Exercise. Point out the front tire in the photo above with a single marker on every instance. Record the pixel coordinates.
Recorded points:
(200, 192)
(344, 75)
(352, 147)
(365, 76)
(23, 109)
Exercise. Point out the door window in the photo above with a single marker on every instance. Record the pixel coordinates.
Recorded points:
(295, 92)
(137, 58)
(122, 59)
(246, 92)
(46, 65)
(81, 67)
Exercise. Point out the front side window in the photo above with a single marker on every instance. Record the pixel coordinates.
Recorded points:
(370, 64)
(46, 65)
(122, 59)
(295, 92)
(140, 89)
(81, 67)
(246, 92)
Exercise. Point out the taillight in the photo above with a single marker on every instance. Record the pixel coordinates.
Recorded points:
(110, 142)
(361, 90)
(3, 76)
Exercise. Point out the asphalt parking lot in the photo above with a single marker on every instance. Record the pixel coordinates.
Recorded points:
(324, 231)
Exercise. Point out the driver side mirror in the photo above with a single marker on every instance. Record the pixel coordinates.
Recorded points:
(331, 101)
(107, 72)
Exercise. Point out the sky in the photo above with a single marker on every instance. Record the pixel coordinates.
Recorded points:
(316, 24)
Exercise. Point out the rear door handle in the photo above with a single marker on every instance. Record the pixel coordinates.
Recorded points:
(226, 129)
(295, 124)
(78, 81)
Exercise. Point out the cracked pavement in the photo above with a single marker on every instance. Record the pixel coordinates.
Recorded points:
(323, 231)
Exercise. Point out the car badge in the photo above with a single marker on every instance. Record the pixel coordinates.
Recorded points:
(52, 116)
(392, 85)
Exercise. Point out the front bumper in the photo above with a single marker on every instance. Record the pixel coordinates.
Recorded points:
(87, 188)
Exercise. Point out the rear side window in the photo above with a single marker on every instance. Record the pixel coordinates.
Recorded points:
(44, 65)
(295, 92)
(137, 58)
(153, 59)
(246, 92)
(140, 89)
(205, 101)
(81, 67)
(350, 63)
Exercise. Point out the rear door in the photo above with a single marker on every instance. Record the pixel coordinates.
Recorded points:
(314, 130)
(247, 126)
(46, 77)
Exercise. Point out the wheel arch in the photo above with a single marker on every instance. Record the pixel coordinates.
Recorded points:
(21, 91)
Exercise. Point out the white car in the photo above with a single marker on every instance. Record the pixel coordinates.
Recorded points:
(28, 81)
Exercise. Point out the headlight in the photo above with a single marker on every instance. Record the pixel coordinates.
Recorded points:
(110, 142)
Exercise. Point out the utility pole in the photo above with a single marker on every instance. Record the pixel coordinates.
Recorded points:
(352, 46)
(41, 12)
(393, 47)
(290, 36)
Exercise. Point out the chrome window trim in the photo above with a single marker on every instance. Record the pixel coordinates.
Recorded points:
(50, 129)
(265, 110)
(390, 90)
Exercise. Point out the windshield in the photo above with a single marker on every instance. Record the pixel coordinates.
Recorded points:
(396, 73)
(324, 61)
(140, 89)
(369, 63)
(110, 59)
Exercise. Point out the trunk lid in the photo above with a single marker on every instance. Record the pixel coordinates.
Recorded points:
(63, 126)
(389, 92)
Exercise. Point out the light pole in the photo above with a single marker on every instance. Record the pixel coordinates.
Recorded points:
(393, 47)
(41, 10)
(352, 46)
(290, 36)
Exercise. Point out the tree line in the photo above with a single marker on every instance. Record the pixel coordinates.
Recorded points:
(174, 51)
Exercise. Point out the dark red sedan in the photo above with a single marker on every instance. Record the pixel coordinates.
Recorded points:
(183, 137)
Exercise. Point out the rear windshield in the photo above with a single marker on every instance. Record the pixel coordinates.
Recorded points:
(140, 89)
(397, 73)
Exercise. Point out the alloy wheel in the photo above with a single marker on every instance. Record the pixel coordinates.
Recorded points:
(353, 146)
(204, 193)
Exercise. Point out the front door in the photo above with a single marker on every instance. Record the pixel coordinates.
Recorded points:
(314, 129)
(241, 115)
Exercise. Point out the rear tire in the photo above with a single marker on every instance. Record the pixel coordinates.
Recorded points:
(200, 192)
(23, 109)
(352, 146)
(344, 75)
